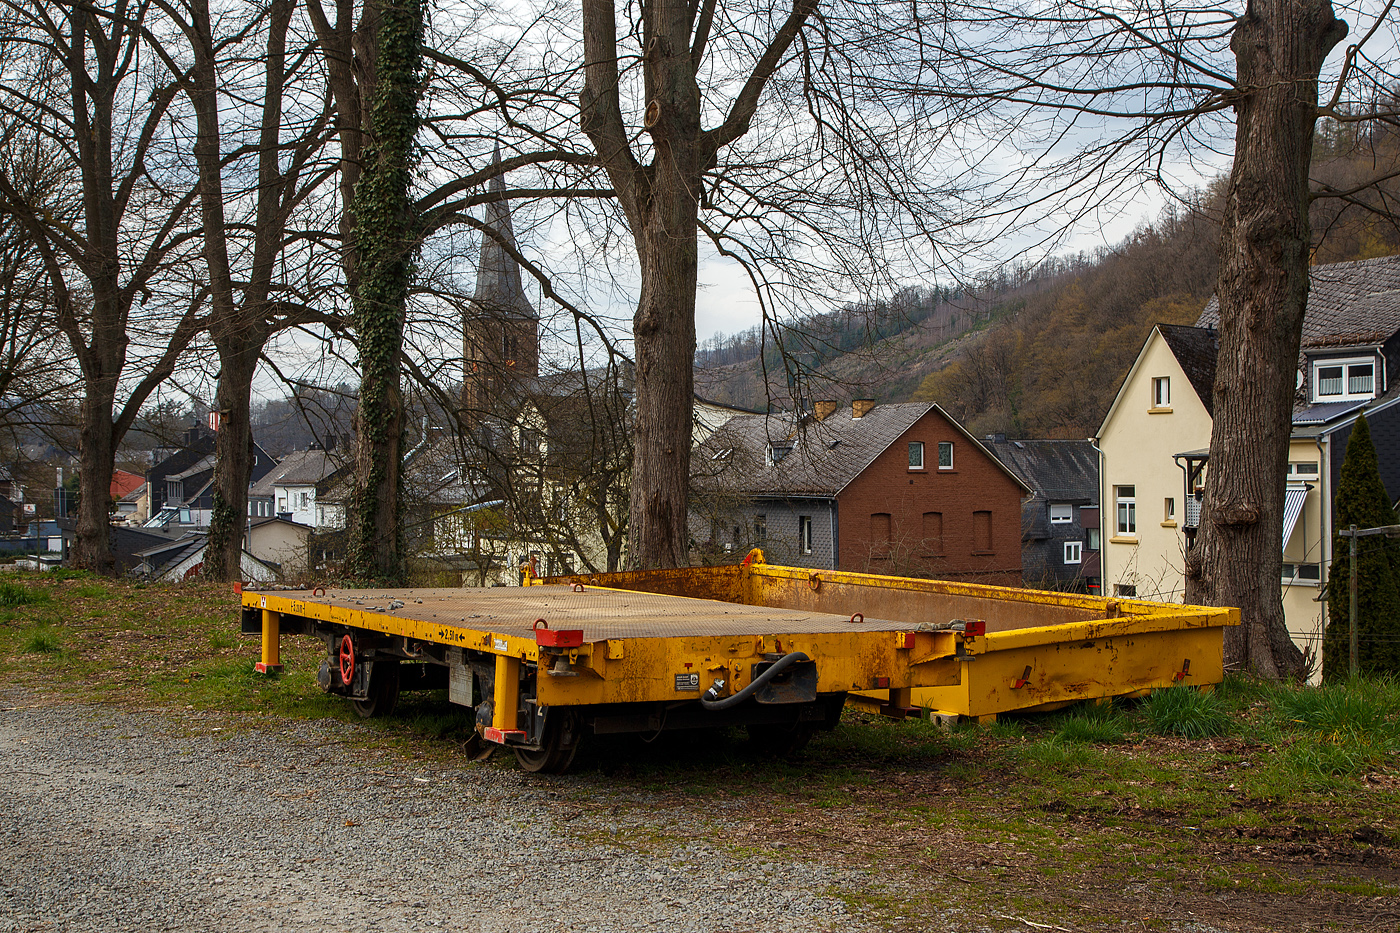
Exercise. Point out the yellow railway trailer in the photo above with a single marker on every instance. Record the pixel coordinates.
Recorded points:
(776, 649)
(545, 664)
(1021, 649)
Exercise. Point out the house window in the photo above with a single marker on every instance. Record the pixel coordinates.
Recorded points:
(304, 500)
(1162, 392)
(1304, 470)
(1061, 513)
(1339, 380)
(1302, 573)
(1093, 539)
(880, 529)
(1169, 509)
(760, 528)
(777, 451)
(945, 455)
(804, 533)
(1125, 589)
(1126, 499)
(916, 455)
(933, 533)
(1074, 552)
(981, 532)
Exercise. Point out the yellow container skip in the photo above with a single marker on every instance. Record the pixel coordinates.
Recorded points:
(1024, 649)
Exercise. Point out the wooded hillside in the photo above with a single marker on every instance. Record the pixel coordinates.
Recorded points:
(1038, 350)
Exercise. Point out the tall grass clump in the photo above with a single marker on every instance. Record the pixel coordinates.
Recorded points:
(41, 639)
(1094, 723)
(14, 594)
(1340, 730)
(1187, 712)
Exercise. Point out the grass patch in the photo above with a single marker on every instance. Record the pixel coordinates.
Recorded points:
(1187, 712)
(90, 591)
(17, 594)
(41, 639)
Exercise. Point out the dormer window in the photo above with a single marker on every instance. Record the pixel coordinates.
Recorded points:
(1344, 380)
(777, 451)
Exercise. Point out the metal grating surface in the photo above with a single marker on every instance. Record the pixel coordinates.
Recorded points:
(600, 613)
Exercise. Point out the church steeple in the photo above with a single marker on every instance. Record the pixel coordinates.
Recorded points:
(500, 332)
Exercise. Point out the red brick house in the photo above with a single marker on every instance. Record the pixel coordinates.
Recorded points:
(899, 488)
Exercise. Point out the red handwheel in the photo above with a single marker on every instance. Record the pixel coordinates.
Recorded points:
(347, 659)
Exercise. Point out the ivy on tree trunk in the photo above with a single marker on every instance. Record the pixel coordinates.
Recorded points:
(384, 241)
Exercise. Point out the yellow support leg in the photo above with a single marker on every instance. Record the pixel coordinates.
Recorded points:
(271, 662)
(507, 694)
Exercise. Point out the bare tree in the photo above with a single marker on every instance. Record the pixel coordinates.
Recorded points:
(93, 101)
(251, 298)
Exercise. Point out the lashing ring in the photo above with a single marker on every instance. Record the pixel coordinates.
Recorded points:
(347, 659)
(578, 587)
(815, 582)
(318, 591)
(539, 624)
(858, 617)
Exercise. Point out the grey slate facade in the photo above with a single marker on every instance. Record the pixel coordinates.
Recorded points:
(1064, 476)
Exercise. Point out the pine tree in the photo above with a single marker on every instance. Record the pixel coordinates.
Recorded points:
(1362, 501)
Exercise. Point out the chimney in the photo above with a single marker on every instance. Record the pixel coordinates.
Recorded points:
(329, 442)
(822, 408)
(861, 407)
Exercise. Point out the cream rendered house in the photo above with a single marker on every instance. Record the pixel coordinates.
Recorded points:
(1154, 443)
(1158, 413)
(1154, 440)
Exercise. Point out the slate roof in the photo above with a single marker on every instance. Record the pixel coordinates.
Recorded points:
(1056, 470)
(1195, 349)
(203, 465)
(164, 556)
(826, 455)
(1349, 304)
(298, 468)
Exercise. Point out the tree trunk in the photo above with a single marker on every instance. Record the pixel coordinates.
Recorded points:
(664, 331)
(384, 243)
(239, 329)
(662, 204)
(96, 459)
(1263, 285)
(233, 462)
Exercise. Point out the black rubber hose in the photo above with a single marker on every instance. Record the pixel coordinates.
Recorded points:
(780, 665)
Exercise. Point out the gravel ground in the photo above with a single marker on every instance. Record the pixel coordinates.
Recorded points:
(114, 821)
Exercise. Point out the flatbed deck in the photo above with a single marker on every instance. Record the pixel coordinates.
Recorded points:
(602, 613)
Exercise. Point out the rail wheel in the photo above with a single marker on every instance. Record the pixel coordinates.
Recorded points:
(780, 738)
(383, 693)
(563, 733)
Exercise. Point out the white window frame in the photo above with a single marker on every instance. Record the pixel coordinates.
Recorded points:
(1161, 391)
(804, 533)
(1061, 513)
(1093, 542)
(1346, 394)
(916, 456)
(945, 447)
(1169, 509)
(1074, 552)
(774, 458)
(1125, 507)
(1295, 470)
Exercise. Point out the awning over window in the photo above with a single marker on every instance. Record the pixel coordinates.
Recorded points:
(1292, 507)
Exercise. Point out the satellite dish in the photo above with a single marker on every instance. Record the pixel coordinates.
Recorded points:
(1299, 384)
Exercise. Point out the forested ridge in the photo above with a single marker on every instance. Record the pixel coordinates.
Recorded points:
(1035, 350)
